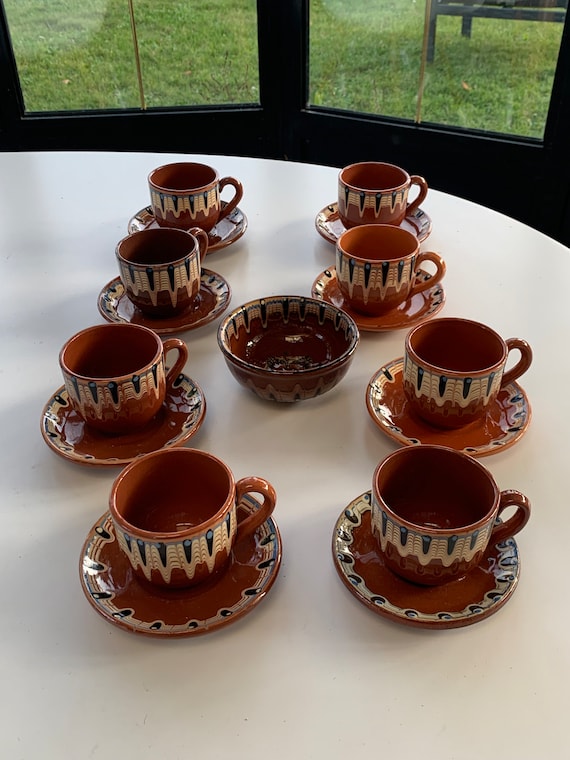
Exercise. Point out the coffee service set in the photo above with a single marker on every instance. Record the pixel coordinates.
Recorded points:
(184, 548)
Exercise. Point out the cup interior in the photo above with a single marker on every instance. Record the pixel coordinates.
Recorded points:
(172, 491)
(456, 345)
(107, 352)
(371, 176)
(183, 176)
(377, 242)
(435, 488)
(156, 247)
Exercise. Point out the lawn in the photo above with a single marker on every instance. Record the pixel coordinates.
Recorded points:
(363, 57)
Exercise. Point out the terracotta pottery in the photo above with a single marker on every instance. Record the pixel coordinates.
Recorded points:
(124, 600)
(377, 267)
(188, 194)
(434, 512)
(160, 269)
(507, 418)
(115, 376)
(288, 348)
(212, 300)
(330, 227)
(454, 369)
(411, 312)
(372, 192)
(465, 601)
(175, 517)
(227, 230)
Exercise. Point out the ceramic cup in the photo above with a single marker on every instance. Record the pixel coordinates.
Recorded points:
(434, 511)
(454, 369)
(187, 194)
(371, 192)
(115, 376)
(377, 264)
(160, 268)
(176, 518)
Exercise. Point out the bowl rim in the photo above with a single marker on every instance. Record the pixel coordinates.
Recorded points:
(343, 357)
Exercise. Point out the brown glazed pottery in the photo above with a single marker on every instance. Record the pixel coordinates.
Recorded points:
(377, 267)
(175, 515)
(135, 605)
(187, 194)
(465, 601)
(288, 348)
(160, 268)
(115, 376)
(372, 192)
(507, 418)
(434, 513)
(454, 369)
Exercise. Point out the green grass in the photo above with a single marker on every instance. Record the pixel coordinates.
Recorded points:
(363, 57)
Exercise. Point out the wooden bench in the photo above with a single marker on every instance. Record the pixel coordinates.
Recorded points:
(521, 10)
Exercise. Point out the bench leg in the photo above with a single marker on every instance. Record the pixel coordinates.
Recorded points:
(466, 22)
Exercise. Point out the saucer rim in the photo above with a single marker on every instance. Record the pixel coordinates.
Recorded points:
(330, 238)
(168, 329)
(250, 602)
(240, 226)
(365, 322)
(476, 452)
(119, 461)
(397, 614)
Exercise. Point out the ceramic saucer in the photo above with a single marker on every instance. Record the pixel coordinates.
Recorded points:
(416, 309)
(506, 421)
(226, 232)
(467, 600)
(112, 588)
(328, 223)
(213, 299)
(65, 432)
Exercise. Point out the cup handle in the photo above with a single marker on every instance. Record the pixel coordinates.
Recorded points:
(253, 484)
(177, 345)
(415, 179)
(440, 269)
(517, 521)
(238, 195)
(202, 239)
(523, 363)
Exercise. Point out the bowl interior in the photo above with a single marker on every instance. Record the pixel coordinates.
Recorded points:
(288, 334)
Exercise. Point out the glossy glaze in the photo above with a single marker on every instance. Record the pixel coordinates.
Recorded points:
(288, 348)
(225, 232)
(507, 419)
(466, 601)
(67, 435)
(416, 309)
(212, 300)
(111, 587)
(330, 226)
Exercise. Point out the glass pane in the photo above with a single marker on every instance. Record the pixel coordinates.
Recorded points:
(76, 55)
(378, 58)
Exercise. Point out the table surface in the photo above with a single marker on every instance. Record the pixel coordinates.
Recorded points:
(310, 672)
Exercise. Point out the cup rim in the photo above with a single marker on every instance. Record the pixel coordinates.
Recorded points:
(168, 536)
(413, 354)
(239, 361)
(176, 165)
(375, 164)
(124, 327)
(470, 461)
(391, 229)
(154, 231)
